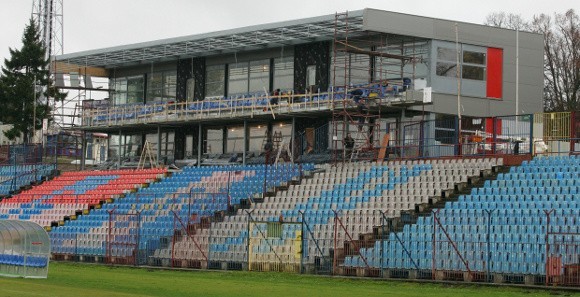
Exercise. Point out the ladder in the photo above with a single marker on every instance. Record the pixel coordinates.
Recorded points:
(147, 155)
(284, 146)
(277, 139)
(361, 140)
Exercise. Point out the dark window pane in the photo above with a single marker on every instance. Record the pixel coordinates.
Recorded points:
(284, 73)
(446, 69)
(446, 54)
(473, 58)
(473, 72)
(238, 78)
(259, 76)
(215, 80)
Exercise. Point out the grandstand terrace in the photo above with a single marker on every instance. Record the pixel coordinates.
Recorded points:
(328, 145)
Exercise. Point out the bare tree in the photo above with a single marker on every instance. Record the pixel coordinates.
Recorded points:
(509, 21)
(561, 54)
(561, 60)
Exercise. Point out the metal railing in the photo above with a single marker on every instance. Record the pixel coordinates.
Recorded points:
(212, 108)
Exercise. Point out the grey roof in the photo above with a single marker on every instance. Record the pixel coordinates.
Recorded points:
(219, 42)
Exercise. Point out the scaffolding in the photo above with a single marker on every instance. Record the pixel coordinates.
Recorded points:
(369, 71)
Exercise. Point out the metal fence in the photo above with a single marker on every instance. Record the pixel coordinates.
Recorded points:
(489, 242)
(450, 137)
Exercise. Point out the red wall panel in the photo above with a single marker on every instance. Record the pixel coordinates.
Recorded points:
(494, 72)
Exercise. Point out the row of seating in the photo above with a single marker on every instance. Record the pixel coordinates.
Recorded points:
(315, 202)
(15, 176)
(497, 228)
(22, 260)
(174, 202)
(62, 196)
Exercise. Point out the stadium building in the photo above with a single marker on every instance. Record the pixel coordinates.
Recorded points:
(367, 143)
(232, 91)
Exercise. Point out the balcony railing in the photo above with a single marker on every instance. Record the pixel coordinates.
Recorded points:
(239, 107)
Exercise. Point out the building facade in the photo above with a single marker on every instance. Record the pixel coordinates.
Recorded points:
(233, 91)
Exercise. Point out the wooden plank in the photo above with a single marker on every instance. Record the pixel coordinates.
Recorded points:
(62, 67)
(383, 149)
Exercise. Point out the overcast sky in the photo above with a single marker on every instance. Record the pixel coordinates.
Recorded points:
(103, 23)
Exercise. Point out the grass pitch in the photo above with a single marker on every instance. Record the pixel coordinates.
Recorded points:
(70, 279)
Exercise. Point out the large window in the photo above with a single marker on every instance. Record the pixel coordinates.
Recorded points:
(395, 68)
(235, 140)
(259, 76)
(446, 62)
(248, 77)
(215, 140)
(215, 79)
(130, 146)
(257, 138)
(128, 90)
(284, 73)
(167, 143)
(238, 78)
(472, 64)
(162, 86)
(190, 91)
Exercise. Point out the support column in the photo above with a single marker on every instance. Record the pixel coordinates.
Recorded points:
(199, 142)
(158, 144)
(83, 150)
(245, 145)
(179, 144)
(291, 145)
(400, 129)
(119, 150)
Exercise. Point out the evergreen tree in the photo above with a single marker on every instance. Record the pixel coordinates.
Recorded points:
(17, 86)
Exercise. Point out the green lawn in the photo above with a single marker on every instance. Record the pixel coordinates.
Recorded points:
(69, 279)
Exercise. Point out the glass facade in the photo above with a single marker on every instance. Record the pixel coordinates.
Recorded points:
(130, 146)
(473, 63)
(215, 78)
(259, 76)
(167, 143)
(257, 137)
(128, 90)
(235, 139)
(190, 92)
(238, 79)
(446, 62)
(284, 73)
(162, 86)
(248, 77)
(214, 143)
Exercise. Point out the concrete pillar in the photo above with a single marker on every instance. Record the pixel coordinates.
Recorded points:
(199, 142)
(291, 146)
(245, 145)
(158, 144)
(119, 152)
(83, 150)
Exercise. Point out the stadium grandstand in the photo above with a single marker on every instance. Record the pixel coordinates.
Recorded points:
(366, 143)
